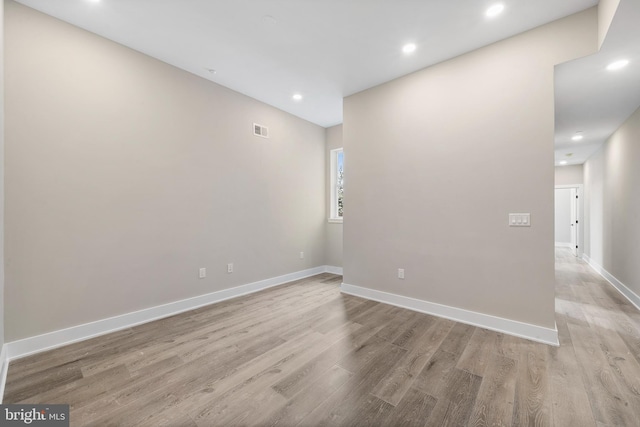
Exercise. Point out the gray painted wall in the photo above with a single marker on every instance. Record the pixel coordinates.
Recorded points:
(569, 175)
(594, 206)
(437, 160)
(333, 245)
(612, 183)
(125, 175)
(606, 12)
(1, 177)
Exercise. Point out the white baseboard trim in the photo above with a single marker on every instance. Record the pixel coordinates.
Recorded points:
(4, 368)
(564, 245)
(32, 345)
(334, 270)
(485, 321)
(618, 285)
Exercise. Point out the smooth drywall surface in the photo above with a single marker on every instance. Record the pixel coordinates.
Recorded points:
(562, 204)
(1, 177)
(606, 11)
(594, 206)
(439, 158)
(333, 244)
(612, 184)
(569, 175)
(126, 175)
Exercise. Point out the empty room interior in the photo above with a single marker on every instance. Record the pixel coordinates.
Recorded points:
(321, 212)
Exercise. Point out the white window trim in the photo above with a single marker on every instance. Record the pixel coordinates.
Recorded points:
(333, 213)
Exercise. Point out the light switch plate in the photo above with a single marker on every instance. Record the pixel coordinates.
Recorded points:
(519, 220)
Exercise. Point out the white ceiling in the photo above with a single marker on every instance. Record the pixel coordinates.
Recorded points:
(593, 100)
(323, 49)
(329, 49)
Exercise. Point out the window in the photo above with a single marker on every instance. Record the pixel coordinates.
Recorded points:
(337, 187)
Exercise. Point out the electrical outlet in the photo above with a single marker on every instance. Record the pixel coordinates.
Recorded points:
(301, 255)
(230, 268)
(401, 273)
(203, 273)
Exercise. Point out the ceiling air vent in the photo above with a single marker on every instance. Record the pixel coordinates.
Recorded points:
(259, 130)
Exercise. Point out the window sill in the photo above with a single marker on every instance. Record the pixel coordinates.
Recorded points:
(335, 220)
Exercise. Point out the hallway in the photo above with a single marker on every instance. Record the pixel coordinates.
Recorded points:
(595, 372)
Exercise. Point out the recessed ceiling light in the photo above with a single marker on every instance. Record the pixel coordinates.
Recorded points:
(618, 65)
(577, 137)
(564, 162)
(495, 10)
(409, 48)
(297, 97)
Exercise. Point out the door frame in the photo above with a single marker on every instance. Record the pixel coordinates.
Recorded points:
(580, 210)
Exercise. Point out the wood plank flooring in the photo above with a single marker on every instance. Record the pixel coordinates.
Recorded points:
(304, 354)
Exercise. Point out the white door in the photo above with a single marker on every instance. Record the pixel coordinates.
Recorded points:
(563, 218)
(574, 221)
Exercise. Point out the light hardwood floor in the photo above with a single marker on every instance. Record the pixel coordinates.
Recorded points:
(303, 354)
